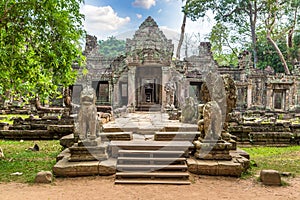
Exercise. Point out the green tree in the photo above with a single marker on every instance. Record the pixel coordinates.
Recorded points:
(276, 18)
(39, 43)
(281, 18)
(112, 47)
(224, 45)
(242, 13)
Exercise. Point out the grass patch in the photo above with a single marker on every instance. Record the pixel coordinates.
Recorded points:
(19, 159)
(9, 118)
(282, 159)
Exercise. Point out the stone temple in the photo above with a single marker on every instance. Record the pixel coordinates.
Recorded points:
(166, 118)
(139, 78)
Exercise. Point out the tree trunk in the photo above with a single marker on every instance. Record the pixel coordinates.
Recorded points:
(253, 18)
(285, 66)
(254, 44)
(291, 31)
(181, 37)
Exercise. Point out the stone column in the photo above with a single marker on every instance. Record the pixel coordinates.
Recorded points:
(131, 86)
(116, 94)
(287, 100)
(269, 97)
(165, 78)
(110, 93)
(249, 94)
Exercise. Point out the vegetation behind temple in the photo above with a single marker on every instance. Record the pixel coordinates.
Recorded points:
(112, 47)
(256, 25)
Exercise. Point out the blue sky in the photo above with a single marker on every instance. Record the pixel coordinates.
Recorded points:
(104, 18)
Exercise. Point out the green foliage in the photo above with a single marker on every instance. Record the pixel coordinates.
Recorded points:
(112, 47)
(18, 159)
(39, 42)
(223, 45)
(244, 18)
(268, 56)
(9, 118)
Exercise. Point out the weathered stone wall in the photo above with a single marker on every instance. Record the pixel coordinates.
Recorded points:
(46, 128)
(265, 128)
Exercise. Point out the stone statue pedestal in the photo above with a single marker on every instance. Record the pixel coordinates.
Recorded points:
(88, 150)
(213, 150)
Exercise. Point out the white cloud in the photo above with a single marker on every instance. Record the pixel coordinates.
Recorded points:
(99, 19)
(147, 4)
(159, 11)
(139, 16)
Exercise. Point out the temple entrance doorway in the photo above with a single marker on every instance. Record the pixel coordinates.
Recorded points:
(148, 92)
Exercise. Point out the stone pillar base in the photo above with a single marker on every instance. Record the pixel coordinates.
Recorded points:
(88, 150)
(213, 150)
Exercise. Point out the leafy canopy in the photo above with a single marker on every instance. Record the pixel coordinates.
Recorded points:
(112, 47)
(39, 42)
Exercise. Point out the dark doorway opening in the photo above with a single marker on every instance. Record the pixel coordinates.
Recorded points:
(195, 88)
(102, 92)
(148, 92)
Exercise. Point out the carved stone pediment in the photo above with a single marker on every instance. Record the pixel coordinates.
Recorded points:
(149, 45)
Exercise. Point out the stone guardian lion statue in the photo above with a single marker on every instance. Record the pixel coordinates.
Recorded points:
(87, 116)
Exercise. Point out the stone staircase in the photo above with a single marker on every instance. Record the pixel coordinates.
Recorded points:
(149, 166)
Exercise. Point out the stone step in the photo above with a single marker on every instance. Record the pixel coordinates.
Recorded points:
(147, 181)
(115, 146)
(183, 175)
(176, 136)
(116, 136)
(138, 168)
(151, 159)
(148, 166)
(26, 134)
(151, 152)
(145, 160)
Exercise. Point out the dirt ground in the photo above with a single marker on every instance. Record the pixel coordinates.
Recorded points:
(203, 187)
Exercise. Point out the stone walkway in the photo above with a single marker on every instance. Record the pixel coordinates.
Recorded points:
(147, 123)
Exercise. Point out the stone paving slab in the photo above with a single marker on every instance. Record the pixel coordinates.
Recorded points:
(147, 123)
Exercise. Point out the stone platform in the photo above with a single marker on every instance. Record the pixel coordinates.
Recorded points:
(65, 168)
(234, 167)
(141, 131)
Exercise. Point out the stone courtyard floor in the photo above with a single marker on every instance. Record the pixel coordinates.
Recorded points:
(147, 122)
(203, 187)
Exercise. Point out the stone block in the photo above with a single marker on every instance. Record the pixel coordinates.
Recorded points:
(192, 165)
(107, 167)
(4, 126)
(247, 129)
(64, 168)
(50, 117)
(229, 168)
(43, 177)
(61, 128)
(64, 153)
(270, 177)
(116, 136)
(67, 141)
(207, 167)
